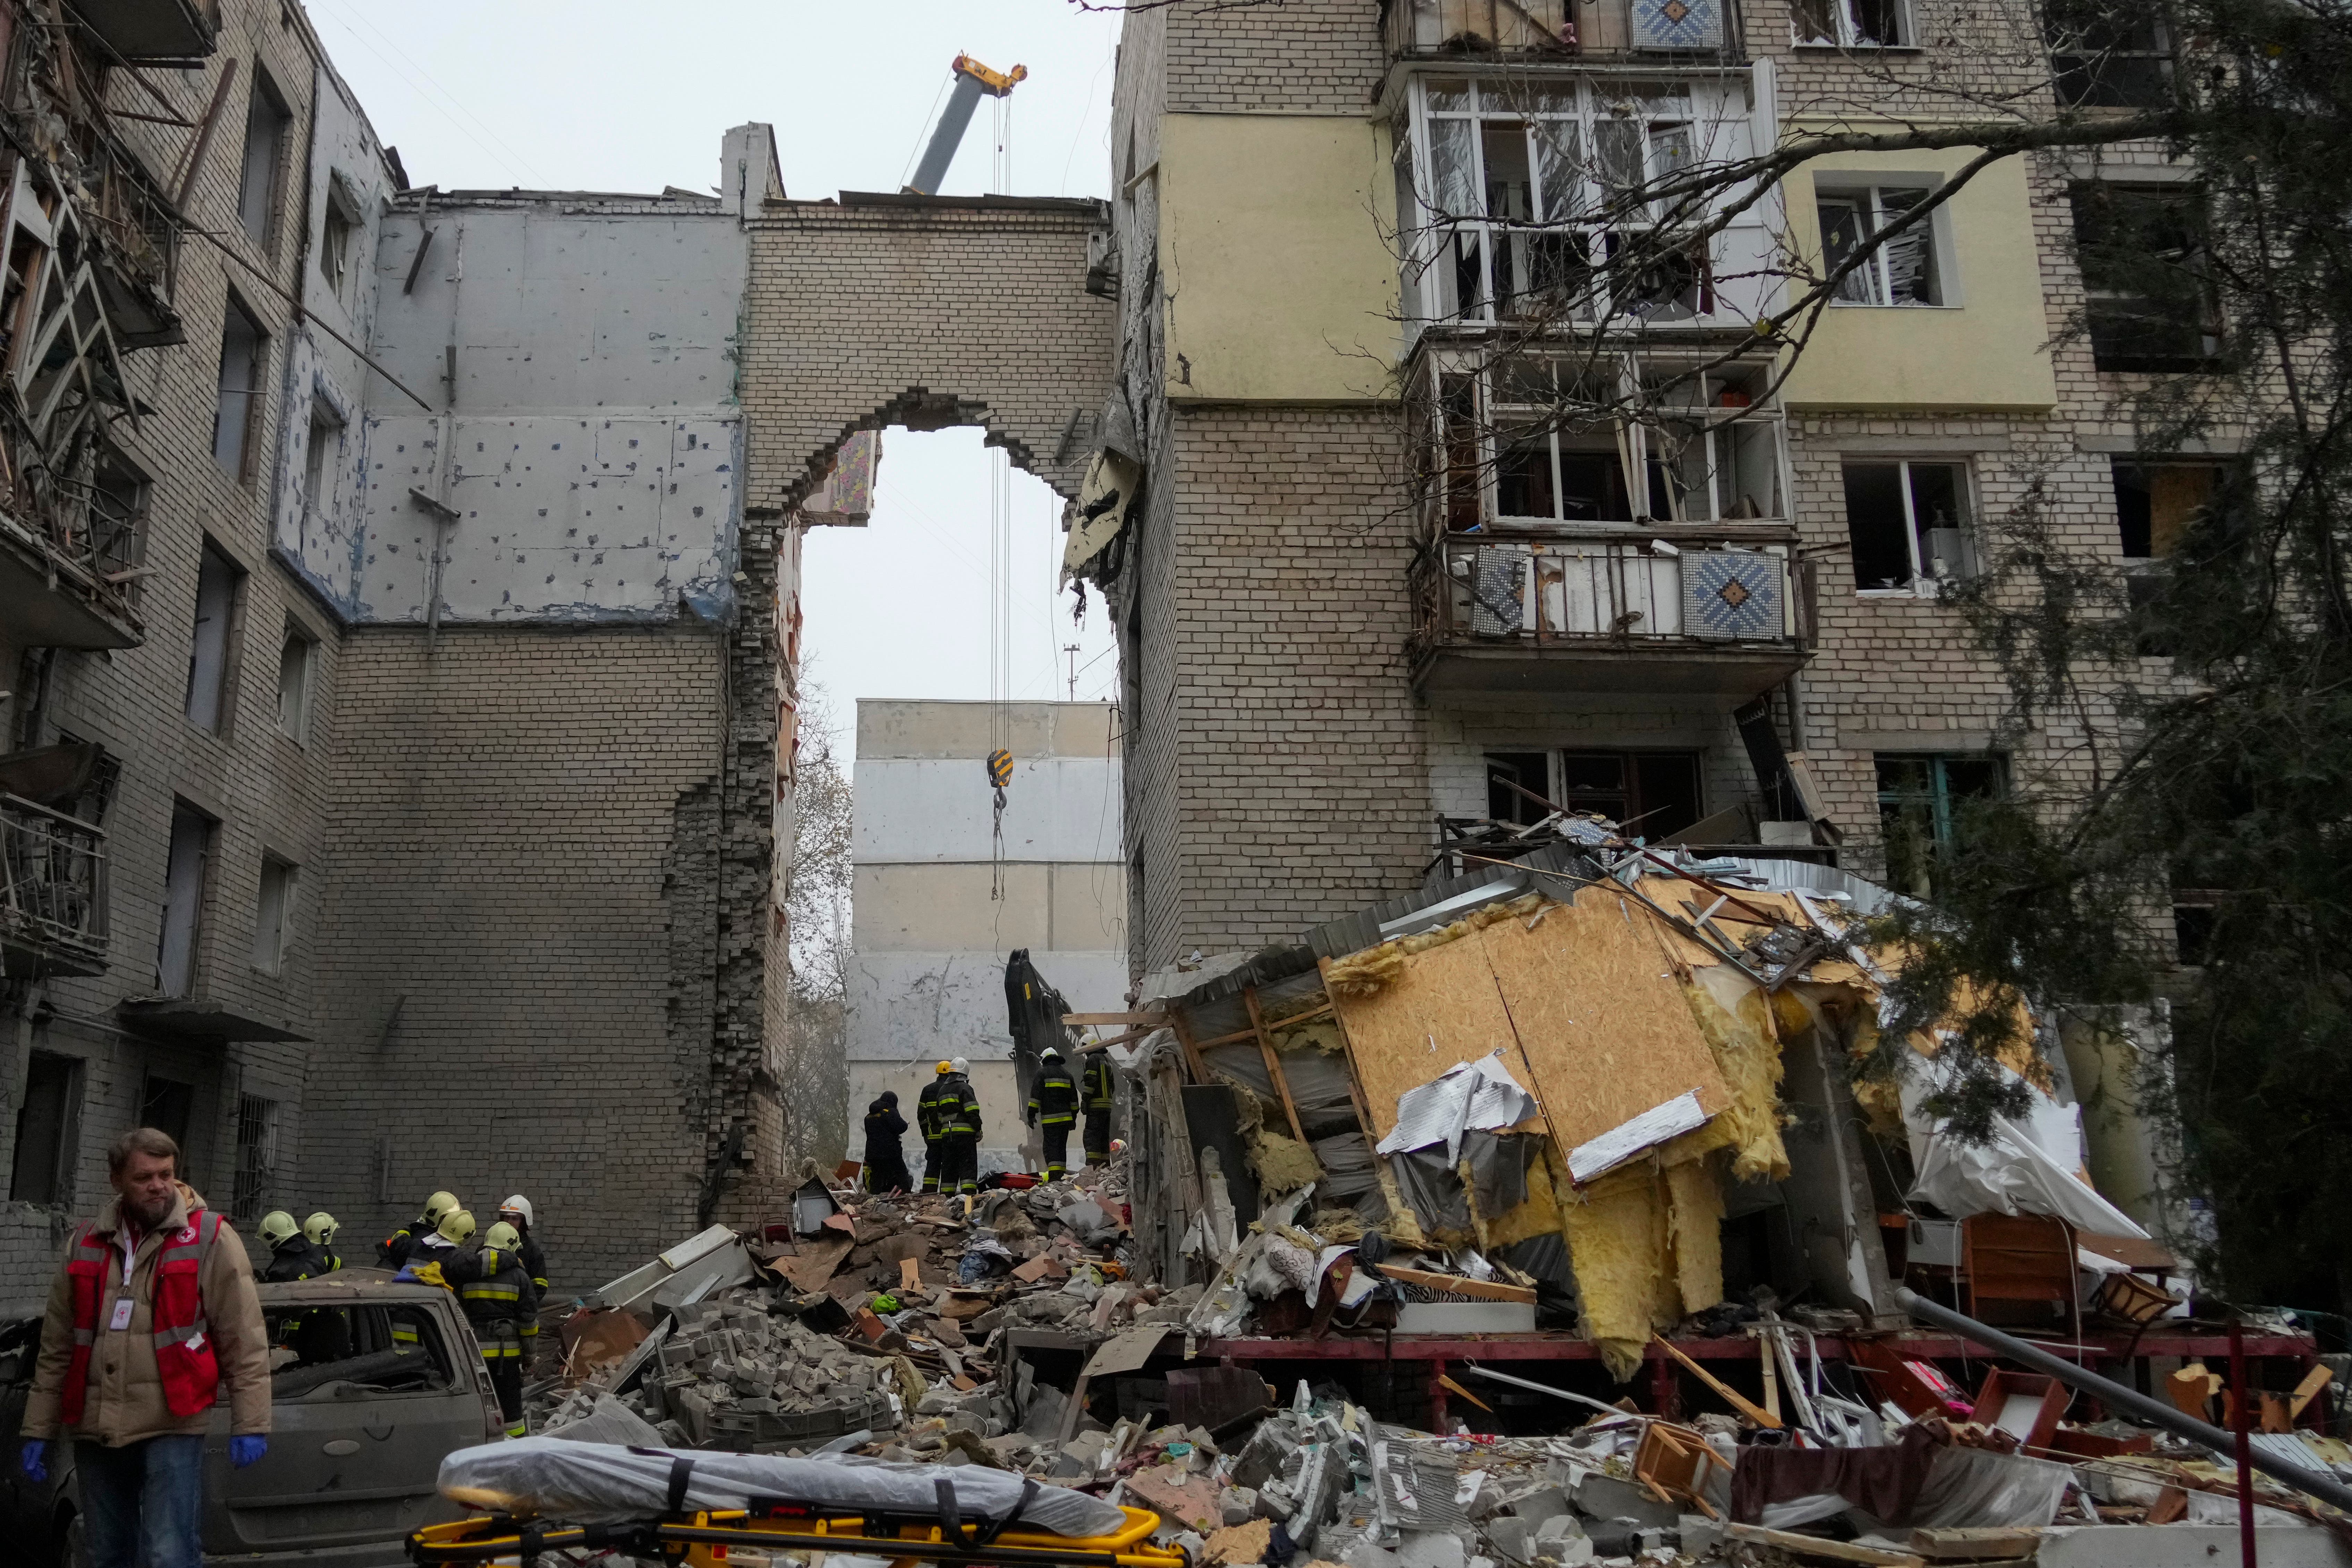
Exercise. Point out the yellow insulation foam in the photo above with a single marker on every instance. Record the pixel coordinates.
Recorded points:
(1737, 1022)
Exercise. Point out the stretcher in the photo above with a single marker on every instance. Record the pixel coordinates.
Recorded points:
(541, 1495)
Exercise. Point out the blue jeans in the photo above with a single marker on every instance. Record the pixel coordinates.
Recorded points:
(144, 1504)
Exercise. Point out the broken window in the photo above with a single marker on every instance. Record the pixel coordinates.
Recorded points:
(47, 1113)
(1923, 810)
(337, 234)
(2156, 502)
(1524, 206)
(1906, 269)
(321, 456)
(271, 910)
(184, 873)
(1852, 24)
(244, 351)
(2108, 53)
(2148, 304)
(266, 121)
(117, 519)
(257, 1156)
(169, 1106)
(1653, 794)
(1530, 771)
(218, 588)
(297, 658)
(1908, 524)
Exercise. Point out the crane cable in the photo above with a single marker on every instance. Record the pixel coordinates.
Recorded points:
(999, 564)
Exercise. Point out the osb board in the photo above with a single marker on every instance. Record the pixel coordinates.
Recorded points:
(1442, 1009)
(1600, 1016)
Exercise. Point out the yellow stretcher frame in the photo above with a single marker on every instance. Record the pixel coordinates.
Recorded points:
(699, 1539)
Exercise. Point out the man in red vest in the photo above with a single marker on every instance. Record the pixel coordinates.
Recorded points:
(154, 1309)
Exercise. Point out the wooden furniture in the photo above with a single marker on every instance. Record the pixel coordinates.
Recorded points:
(2020, 1258)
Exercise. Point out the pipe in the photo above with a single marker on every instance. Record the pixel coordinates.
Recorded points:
(2155, 1411)
(1476, 1371)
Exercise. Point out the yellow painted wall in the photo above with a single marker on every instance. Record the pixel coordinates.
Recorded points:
(1985, 353)
(1280, 284)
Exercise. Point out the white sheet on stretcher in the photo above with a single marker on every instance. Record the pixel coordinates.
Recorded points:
(590, 1483)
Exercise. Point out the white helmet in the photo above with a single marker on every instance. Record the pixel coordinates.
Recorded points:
(1052, 1052)
(521, 1205)
(962, 1064)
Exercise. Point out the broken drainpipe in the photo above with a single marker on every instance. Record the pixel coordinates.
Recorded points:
(2155, 1411)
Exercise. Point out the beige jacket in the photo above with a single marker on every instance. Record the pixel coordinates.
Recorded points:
(124, 1400)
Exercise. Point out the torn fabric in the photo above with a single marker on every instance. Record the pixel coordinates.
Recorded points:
(2016, 1173)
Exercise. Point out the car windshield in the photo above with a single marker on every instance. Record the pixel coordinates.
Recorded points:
(339, 1352)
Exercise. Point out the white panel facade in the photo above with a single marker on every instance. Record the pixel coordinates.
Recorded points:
(940, 810)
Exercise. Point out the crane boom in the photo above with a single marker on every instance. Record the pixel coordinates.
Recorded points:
(971, 80)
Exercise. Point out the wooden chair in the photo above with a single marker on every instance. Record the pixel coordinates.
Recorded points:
(2020, 1258)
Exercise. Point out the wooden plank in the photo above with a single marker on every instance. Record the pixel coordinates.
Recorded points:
(1607, 1030)
(1200, 1069)
(1736, 1400)
(1461, 1285)
(1154, 1019)
(1273, 1063)
(2308, 1389)
(1442, 1009)
(1963, 1544)
(1814, 1546)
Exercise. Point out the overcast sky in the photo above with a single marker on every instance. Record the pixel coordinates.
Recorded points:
(592, 95)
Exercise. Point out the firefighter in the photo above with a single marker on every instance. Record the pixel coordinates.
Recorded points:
(959, 1172)
(318, 1230)
(494, 1286)
(394, 1250)
(1053, 1108)
(931, 1120)
(1093, 1093)
(517, 1211)
(886, 1160)
(289, 1254)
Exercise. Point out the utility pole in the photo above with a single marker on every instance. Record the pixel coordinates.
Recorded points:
(1072, 650)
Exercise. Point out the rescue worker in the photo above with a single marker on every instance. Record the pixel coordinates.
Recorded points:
(931, 1120)
(1053, 1108)
(394, 1250)
(318, 1230)
(960, 1169)
(495, 1290)
(289, 1252)
(885, 1162)
(443, 1244)
(1093, 1093)
(517, 1211)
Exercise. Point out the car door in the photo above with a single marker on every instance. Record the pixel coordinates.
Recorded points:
(362, 1413)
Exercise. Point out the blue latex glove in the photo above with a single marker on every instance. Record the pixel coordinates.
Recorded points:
(407, 1272)
(243, 1451)
(33, 1460)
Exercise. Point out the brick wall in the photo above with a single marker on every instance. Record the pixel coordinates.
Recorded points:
(1283, 57)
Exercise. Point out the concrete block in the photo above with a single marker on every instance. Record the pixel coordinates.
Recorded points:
(1606, 1497)
(2185, 1546)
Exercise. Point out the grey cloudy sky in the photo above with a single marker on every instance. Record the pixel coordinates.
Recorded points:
(593, 95)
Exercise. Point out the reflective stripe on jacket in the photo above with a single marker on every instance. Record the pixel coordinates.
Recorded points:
(960, 1107)
(1096, 1083)
(1053, 1096)
(931, 1113)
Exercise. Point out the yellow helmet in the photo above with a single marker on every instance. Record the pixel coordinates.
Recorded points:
(503, 1236)
(278, 1226)
(456, 1226)
(946, 1066)
(440, 1207)
(321, 1227)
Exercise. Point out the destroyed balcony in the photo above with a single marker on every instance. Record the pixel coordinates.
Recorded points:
(152, 29)
(1533, 30)
(69, 563)
(52, 890)
(1722, 612)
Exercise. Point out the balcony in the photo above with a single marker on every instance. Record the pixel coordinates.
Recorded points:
(69, 564)
(1554, 28)
(52, 890)
(153, 29)
(1721, 614)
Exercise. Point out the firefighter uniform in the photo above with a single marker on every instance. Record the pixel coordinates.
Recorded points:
(1093, 1093)
(931, 1122)
(291, 1256)
(495, 1290)
(959, 1165)
(517, 1211)
(1054, 1109)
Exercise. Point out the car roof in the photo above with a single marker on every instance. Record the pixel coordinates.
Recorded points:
(347, 1286)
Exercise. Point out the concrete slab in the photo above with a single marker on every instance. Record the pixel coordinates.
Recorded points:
(2185, 1546)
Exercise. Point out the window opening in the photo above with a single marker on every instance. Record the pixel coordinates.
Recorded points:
(266, 122)
(46, 1115)
(2107, 54)
(1852, 24)
(336, 233)
(1923, 800)
(297, 657)
(1654, 794)
(183, 899)
(218, 581)
(2147, 305)
(118, 517)
(169, 1106)
(276, 900)
(1908, 524)
(1531, 771)
(1905, 270)
(244, 351)
(2156, 503)
(321, 458)
(257, 1155)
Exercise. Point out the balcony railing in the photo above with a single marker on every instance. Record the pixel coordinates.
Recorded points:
(52, 890)
(1724, 613)
(1556, 28)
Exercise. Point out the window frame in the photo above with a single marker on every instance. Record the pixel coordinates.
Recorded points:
(297, 728)
(2086, 65)
(2190, 196)
(1921, 584)
(204, 834)
(258, 1123)
(256, 392)
(231, 616)
(1848, 29)
(262, 100)
(283, 876)
(339, 216)
(1872, 187)
(72, 1081)
(1938, 797)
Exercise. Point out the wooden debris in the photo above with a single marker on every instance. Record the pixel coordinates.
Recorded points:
(1459, 1283)
(1972, 1545)
(1756, 1413)
(1239, 1543)
(1829, 1550)
(911, 1274)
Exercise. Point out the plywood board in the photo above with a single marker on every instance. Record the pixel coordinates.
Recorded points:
(1443, 1008)
(1600, 1016)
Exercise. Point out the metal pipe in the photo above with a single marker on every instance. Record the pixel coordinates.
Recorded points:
(2155, 1411)
(1476, 1371)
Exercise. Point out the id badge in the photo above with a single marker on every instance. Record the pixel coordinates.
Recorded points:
(122, 1318)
